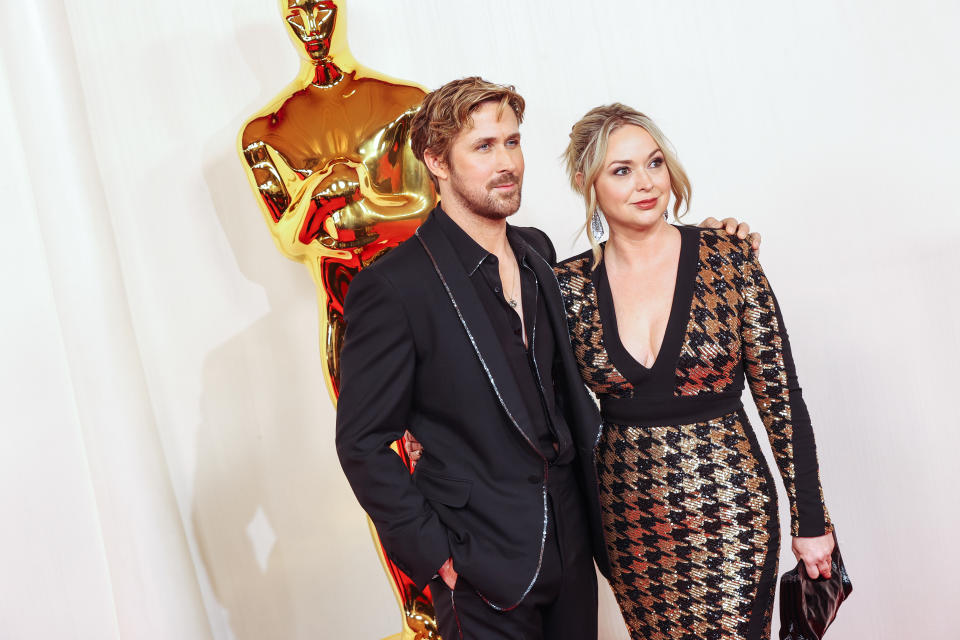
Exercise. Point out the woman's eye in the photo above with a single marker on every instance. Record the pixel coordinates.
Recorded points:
(621, 171)
(656, 162)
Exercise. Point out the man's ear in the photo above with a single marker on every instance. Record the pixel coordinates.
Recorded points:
(436, 165)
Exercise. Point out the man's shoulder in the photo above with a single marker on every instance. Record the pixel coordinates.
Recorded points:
(404, 263)
(539, 241)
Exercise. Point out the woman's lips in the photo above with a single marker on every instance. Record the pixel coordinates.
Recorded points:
(646, 204)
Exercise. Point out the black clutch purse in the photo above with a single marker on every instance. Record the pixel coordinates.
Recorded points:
(807, 606)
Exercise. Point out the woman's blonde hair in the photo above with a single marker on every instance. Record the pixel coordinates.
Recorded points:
(584, 156)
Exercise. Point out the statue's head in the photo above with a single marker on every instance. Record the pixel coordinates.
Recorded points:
(311, 24)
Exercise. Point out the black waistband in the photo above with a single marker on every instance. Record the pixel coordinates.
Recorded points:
(660, 411)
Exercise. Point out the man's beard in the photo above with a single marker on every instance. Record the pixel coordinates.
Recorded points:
(484, 201)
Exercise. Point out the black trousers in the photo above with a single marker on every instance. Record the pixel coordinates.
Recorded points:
(561, 605)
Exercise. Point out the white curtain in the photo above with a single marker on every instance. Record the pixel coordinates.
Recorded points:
(166, 462)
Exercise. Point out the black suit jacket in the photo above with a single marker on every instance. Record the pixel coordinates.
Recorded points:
(421, 354)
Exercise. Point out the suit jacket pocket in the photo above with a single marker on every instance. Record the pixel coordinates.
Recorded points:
(447, 490)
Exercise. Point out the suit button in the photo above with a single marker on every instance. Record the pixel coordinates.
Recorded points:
(534, 479)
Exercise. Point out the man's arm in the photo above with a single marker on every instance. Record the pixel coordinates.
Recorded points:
(376, 388)
(730, 225)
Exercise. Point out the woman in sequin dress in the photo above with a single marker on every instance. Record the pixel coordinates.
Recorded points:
(666, 322)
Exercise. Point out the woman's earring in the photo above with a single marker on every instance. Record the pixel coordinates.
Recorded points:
(596, 225)
(666, 216)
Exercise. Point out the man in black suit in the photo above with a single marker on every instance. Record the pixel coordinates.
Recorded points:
(459, 335)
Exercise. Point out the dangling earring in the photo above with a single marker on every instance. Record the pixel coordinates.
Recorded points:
(666, 216)
(596, 225)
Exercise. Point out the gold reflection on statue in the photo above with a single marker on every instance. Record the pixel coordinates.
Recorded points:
(330, 161)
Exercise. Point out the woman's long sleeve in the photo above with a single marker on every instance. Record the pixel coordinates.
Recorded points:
(770, 371)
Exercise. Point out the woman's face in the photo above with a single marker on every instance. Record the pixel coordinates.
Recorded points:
(633, 186)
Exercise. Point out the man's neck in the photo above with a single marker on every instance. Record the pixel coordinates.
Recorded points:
(489, 234)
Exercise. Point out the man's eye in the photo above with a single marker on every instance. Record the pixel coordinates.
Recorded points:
(513, 143)
(483, 147)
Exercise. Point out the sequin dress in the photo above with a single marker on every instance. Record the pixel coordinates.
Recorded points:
(689, 505)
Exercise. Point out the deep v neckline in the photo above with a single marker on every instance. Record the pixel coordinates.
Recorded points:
(669, 352)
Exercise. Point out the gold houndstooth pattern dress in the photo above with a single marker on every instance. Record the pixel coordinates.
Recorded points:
(689, 505)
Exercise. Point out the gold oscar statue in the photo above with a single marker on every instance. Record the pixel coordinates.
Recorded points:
(330, 161)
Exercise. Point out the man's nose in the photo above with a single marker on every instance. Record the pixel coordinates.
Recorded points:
(506, 159)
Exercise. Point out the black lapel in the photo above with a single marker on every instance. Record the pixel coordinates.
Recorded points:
(587, 411)
(477, 324)
(550, 288)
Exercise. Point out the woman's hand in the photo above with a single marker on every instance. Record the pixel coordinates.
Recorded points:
(449, 574)
(815, 554)
(413, 448)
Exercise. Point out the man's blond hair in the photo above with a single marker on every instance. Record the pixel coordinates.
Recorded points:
(448, 110)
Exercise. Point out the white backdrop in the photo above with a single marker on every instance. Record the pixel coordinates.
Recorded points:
(167, 467)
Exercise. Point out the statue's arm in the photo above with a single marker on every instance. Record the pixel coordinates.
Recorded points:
(416, 176)
(285, 196)
(265, 177)
(394, 179)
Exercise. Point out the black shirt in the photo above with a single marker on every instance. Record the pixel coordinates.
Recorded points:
(532, 367)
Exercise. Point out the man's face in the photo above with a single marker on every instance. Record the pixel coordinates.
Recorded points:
(311, 22)
(485, 164)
